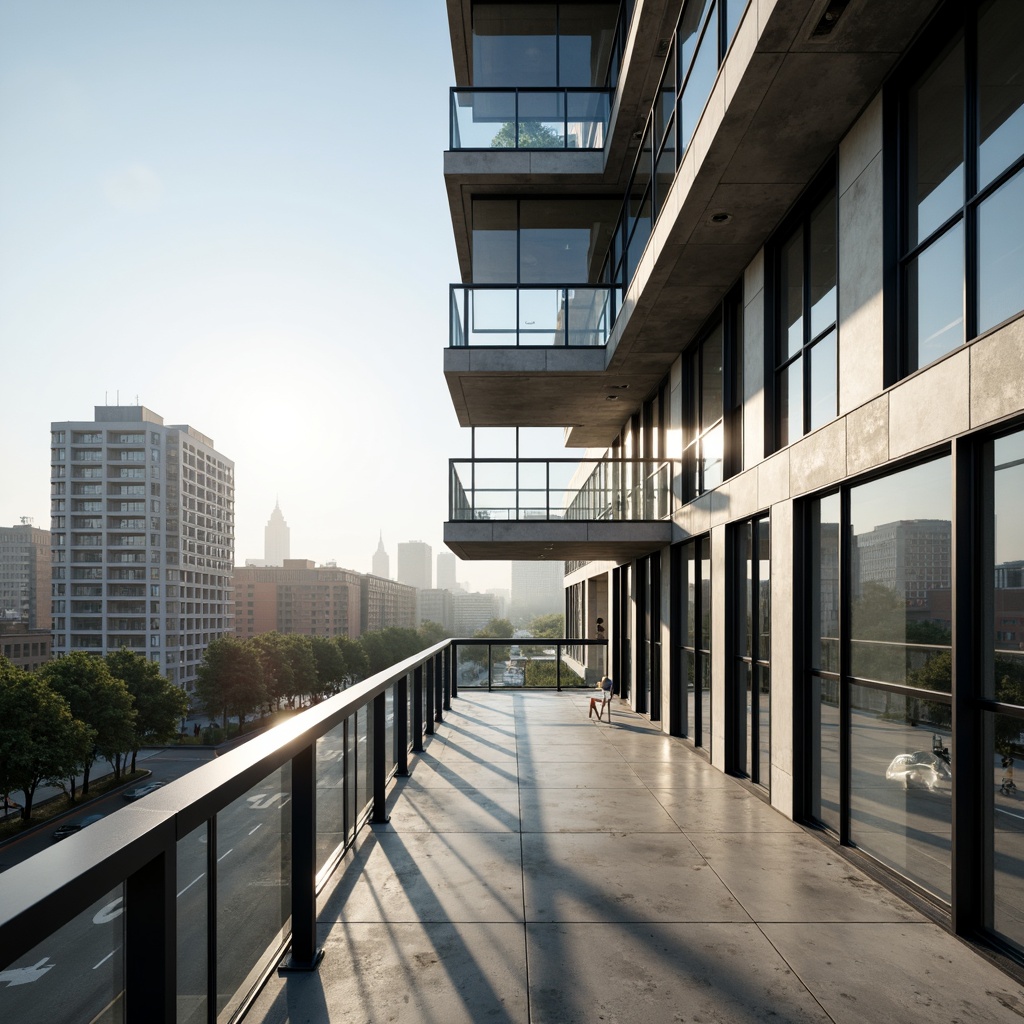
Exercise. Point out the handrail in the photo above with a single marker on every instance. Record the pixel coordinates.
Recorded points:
(137, 847)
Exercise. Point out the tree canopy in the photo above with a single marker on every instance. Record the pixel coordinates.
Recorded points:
(230, 679)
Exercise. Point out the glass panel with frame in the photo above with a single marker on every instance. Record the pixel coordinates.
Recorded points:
(330, 794)
(193, 911)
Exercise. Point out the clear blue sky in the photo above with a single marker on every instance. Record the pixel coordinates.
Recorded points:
(235, 211)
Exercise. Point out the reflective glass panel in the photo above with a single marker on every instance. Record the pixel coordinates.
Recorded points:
(764, 732)
(492, 316)
(1005, 679)
(824, 751)
(687, 669)
(364, 757)
(936, 151)
(640, 217)
(705, 701)
(690, 26)
(588, 316)
(711, 379)
(712, 446)
(193, 911)
(585, 33)
(901, 563)
(483, 120)
(330, 794)
(744, 557)
(791, 403)
(791, 296)
(935, 284)
(587, 115)
(698, 86)
(494, 241)
(1000, 87)
(514, 44)
(1004, 744)
(824, 386)
(824, 617)
(901, 783)
(75, 974)
(253, 857)
(764, 589)
(541, 120)
(1001, 253)
(824, 261)
(705, 591)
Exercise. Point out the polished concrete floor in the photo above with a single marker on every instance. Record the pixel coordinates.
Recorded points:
(542, 867)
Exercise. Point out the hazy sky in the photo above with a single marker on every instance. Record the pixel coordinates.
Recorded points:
(233, 212)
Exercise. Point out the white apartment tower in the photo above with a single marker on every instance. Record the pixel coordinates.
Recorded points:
(143, 538)
(446, 563)
(415, 564)
(276, 538)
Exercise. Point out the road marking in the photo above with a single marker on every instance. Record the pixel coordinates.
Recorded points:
(25, 975)
(1019, 817)
(105, 959)
(115, 908)
(259, 826)
(220, 858)
(266, 800)
(190, 884)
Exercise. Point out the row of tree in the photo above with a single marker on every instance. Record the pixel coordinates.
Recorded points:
(55, 724)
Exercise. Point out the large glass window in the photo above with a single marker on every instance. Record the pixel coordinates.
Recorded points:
(963, 224)
(880, 669)
(806, 347)
(694, 672)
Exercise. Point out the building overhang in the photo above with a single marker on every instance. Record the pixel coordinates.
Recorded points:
(556, 540)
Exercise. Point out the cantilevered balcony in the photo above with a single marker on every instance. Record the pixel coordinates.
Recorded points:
(543, 119)
(560, 509)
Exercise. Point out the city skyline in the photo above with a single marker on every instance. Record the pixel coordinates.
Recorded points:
(187, 222)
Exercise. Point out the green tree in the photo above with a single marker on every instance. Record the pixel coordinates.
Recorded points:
(498, 628)
(278, 676)
(432, 633)
(298, 649)
(330, 666)
(387, 647)
(40, 741)
(550, 626)
(357, 664)
(159, 704)
(99, 700)
(230, 680)
(532, 135)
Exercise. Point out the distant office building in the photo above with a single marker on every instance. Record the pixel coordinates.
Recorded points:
(501, 596)
(909, 557)
(25, 576)
(473, 612)
(436, 606)
(415, 564)
(143, 539)
(297, 597)
(276, 539)
(537, 589)
(446, 563)
(385, 603)
(381, 561)
(28, 649)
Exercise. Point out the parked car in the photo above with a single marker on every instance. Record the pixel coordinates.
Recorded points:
(69, 828)
(140, 791)
(921, 769)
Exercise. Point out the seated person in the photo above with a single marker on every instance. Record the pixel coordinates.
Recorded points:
(602, 700)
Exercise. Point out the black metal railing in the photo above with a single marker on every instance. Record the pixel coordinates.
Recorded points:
(593, 490)
(529, 118)
(180, 905)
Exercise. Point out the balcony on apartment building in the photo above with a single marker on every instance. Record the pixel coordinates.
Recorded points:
(562, 509)
(414, 849)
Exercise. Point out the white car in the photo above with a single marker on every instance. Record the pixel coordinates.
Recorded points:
(920, 769)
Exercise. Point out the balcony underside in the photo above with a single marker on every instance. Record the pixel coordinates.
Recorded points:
(556, 540)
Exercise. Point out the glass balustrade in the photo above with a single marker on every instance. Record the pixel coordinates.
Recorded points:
(529, 490)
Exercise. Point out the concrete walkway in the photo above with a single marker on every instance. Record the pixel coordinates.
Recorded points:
(539, 867)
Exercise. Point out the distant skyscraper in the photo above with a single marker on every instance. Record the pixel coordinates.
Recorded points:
(415, 564)
(143, 539)
(25, 576)
(276, 538)
(537, 589)
(446, 571)
(381, 561)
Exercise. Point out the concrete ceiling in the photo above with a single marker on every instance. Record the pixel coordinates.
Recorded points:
(556, 540)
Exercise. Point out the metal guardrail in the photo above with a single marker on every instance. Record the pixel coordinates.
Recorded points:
(198, 899)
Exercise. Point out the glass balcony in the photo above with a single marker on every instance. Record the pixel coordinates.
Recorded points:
(529, 118)
(543, 490)
(523, 315)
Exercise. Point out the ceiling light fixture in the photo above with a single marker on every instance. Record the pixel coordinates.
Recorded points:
(721, 217)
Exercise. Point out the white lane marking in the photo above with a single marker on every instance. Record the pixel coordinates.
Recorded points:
(259, 826)
(1019, 817)
(25, 975)
(105, 959)
(115, 908)
(190, 884)
(223, 855)
(266, 800)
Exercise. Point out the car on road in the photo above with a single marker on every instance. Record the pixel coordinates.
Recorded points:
(140, 791)
(69, 828)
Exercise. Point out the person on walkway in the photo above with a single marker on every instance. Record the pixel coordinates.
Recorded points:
(602, 700)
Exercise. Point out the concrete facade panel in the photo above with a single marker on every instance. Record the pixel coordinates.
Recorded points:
(773, 479)
(930, 407)
(867, 435)
(821, 459)
(862, 144)
(997, 374)
(753, 363)
(719, 654)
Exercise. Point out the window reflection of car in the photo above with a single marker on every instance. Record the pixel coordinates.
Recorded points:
(921, 769)
(140, 791)
(71, 827)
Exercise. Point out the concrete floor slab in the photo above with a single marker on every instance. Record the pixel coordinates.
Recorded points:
(581, 973)
(539, 753)
(722, 809)
(793, 877)
(592, 810)
(432, 877)
(416, 808)
(601, 774)
(695, 775)
(464, 774)
(896, 972)
(594, 877)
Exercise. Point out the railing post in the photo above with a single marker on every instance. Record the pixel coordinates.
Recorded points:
(402, 726)
(380, 759)
(558, 667)
(438, 688)
(446, 677)
(490, 661)
(429, 687)
(151, 944)
(452, 653)
(305, 955)
(417, 709)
